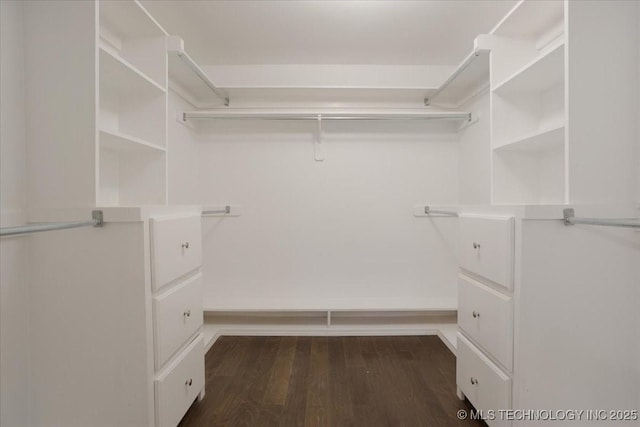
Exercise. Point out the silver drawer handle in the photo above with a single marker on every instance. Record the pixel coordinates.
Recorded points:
(476, 245)
(187, 313)
(474, 381)
(188, 382)
(475, 314)
(185, 245)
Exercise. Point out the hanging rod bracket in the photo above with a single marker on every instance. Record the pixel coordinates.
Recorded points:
(225, 211)
(429, 212)
(568, 214)
(98, 218)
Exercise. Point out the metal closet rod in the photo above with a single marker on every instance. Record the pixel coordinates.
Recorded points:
(96, 221)
(323, 117)
(570, 219)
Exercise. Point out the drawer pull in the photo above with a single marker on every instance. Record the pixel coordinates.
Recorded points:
(475, 314)
(188, 382)
(476, 245)
(187, 313)
(474, 381)
(185, 245)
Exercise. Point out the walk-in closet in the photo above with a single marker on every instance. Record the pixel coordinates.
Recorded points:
(319, 213)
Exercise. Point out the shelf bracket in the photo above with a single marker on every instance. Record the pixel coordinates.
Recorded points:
(98, 217)
(318, 147)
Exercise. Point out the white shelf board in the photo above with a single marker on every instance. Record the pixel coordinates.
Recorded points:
(541, 140)
(126, 143)
(541, 73)
(119, 74)
(188, 84)
(529, 19)
(469, 78)
(129, 19)
(322, 305)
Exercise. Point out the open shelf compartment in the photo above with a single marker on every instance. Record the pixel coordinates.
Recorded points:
(127, 30)
(130, 103)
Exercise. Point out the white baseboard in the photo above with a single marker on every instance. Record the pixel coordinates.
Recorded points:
(446, 331)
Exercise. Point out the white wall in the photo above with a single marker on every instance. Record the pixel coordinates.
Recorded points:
(475, 154)
(313, 232)
(183, 155)
(14, 296)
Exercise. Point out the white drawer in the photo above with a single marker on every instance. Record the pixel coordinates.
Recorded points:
(482, 382)
(177, 386)
(177, 316)
(176, 248)
(486, 248)
(486, 316)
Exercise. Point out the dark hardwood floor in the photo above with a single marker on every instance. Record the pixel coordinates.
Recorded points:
(329, 381)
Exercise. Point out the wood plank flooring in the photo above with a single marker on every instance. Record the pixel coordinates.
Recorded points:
(329, 381)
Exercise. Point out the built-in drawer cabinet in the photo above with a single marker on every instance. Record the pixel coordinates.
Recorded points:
(486, 316)
(179, 384)
(178, 316)
(176, 248)
(486, 386)
(485, 248)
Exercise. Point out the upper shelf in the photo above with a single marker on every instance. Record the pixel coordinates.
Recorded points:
(530, 20)
(469, 78)
(122, 76)
(543, 72)
(190, 78)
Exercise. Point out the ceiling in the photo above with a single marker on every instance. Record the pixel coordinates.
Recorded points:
(328, 32)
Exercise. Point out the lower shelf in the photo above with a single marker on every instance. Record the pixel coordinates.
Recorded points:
(331, 323)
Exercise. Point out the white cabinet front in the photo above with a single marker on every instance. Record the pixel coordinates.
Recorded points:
(486, 316)
(485, 248)
(176, 248)
(178, 385)
(482, 382)
(178, 315)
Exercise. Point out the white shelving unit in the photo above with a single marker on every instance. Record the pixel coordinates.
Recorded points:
(528, 114)
(110, 82)
(557, 113)
(132, 78)
(128, 29)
